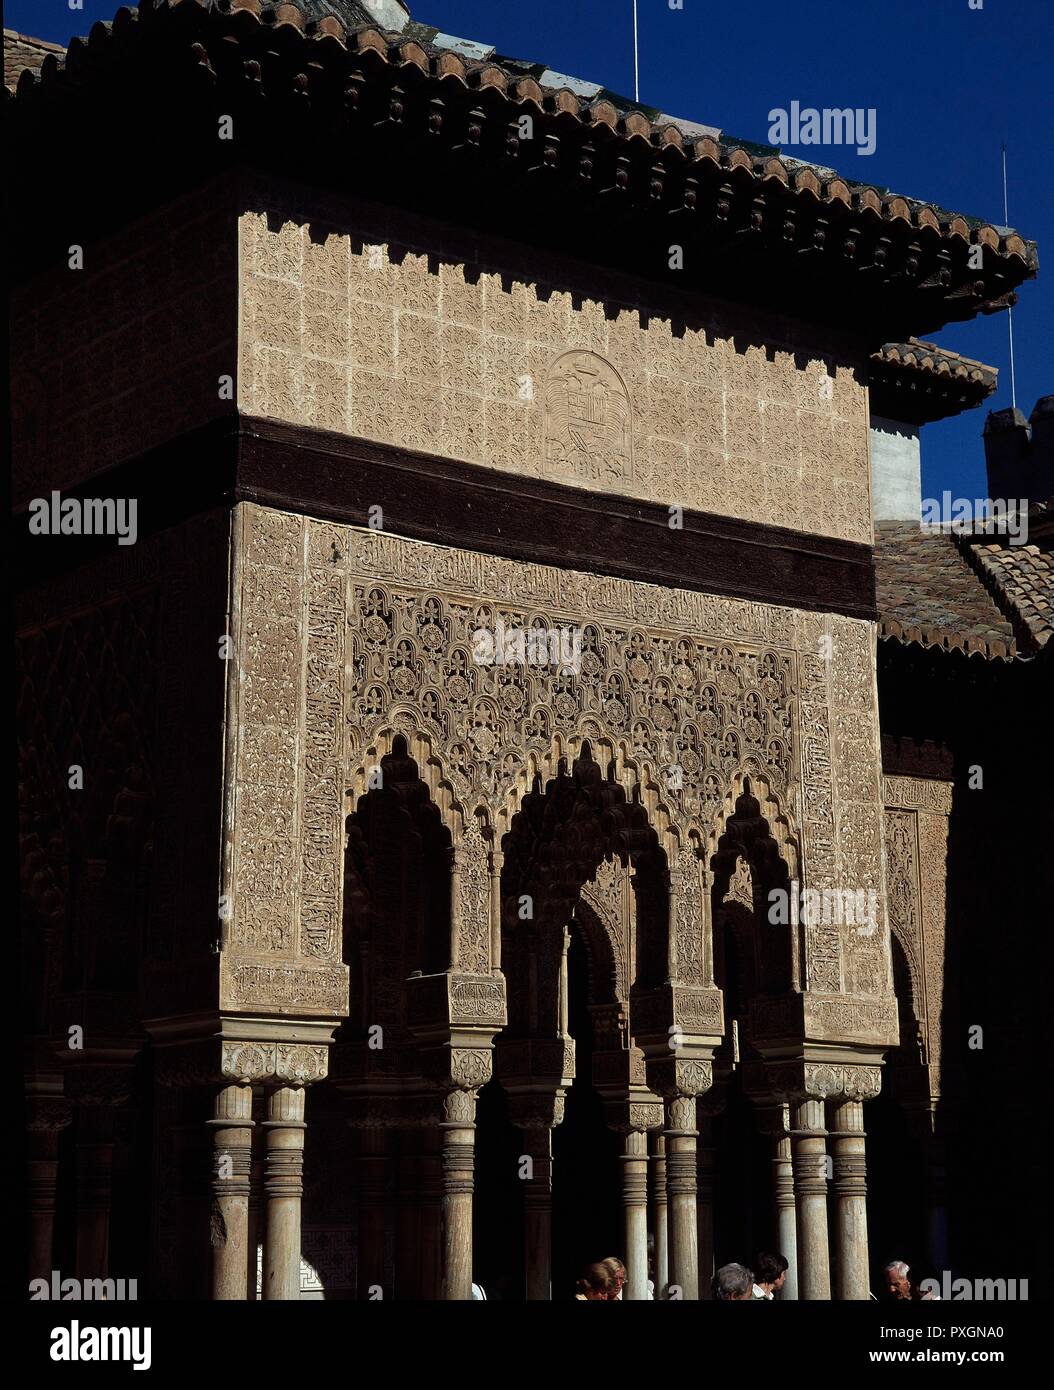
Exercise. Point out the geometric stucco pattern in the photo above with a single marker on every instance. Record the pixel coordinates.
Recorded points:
(376, 335)
(917, 815)
(679, 694)
(282, 942)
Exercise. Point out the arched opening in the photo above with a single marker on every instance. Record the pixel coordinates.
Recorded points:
(754, 958)
(574, 940)
(585, 1151)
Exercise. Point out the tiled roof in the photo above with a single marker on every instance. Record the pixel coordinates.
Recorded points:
(921, 382)
(928, 357)
(477, 66)
(1019, 577)
(971, 591)
(22, 52)
(928, 593)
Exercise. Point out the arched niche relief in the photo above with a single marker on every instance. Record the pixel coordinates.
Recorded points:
(912, 1051)
(560, 850)
(643, 783)
(400, 896)
(753, 853)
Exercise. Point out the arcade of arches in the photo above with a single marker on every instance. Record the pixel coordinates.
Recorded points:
(566, 1000)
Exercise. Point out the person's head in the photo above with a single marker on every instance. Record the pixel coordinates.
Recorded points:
(897, 1279)
(597, 1282)
(770, 1271)
(732, 1284)
(617, 1270)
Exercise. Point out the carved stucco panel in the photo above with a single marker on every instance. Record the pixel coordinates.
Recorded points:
(403, 346)
(667, 677)
(917, 830)
(286, 794)
(474, 901)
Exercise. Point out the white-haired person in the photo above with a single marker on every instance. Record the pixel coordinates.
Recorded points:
(732, 1284)
(902, 1285)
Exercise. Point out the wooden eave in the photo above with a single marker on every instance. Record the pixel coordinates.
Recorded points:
(132, 113)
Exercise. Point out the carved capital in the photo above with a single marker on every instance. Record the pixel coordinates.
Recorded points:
(48, 1114)
(470, 1067)
(802, 1080)
(98, 1085)
(676, 1077)
(295, 1064)
(537, 1111)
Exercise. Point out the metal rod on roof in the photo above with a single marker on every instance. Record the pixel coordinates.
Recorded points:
(636, 66)
(1009, 310)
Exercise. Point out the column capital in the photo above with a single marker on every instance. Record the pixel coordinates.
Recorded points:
(50, 1114)
(286, 1064)
(801, 1079)
(680, 1078)
(240, 1050)
(634, 1115)
(91, 1084)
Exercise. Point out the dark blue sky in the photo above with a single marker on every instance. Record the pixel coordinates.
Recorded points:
(950, 84)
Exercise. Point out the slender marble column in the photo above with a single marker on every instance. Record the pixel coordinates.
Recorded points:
(810, 1191)
(94, 1185)
(283, 1189)
(538, 1214)
(231, 1126)
(786, 1214)
(254, 1262)
(458, 1130)
(850, 1186)
(635, 1213)
(45, 1119)
(371, 1168)
(705, 1203)
(497, 858)
(658, 1200)
(936, 1201)
(408, 1269)
(431, 1216)
(681, 1189)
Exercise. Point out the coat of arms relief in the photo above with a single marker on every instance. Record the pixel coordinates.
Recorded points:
(588, 421)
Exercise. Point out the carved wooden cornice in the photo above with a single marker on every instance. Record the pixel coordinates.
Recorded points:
(426, 126)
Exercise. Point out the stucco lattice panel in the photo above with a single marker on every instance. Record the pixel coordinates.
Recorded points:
(917, 829)
(683, 707)
(680, 693)
(286, 820)
(362, 336)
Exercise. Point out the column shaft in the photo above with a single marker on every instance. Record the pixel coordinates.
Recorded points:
(458, 1132)
(431, 1216)
(538, 1214)
(810, 1191)
(659, 1224)
(705, 1204)
(681, 1189)
(45, 1120)
(371, 1166)
(786, 1215)
(850, 1185)
(283, 1189)
(408, 1269)
(94, 1181)
(635, 1214)
(231, 1126)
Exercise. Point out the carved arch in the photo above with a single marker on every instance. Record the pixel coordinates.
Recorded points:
(780, 819)
(639, 779)
(747, 861)
(606, 945)
(403, 723)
